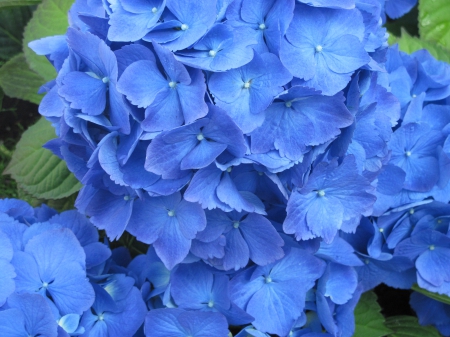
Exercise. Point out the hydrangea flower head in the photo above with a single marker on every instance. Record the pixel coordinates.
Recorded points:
(323, 47)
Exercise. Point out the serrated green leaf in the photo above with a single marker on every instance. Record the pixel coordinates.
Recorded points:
(50, 18)
(408, 326)
(434, 23)
(17, 80)
(410, 44)
(16, 3)
(441, 298)
(38, 171)
(369, 322)
(12, 23)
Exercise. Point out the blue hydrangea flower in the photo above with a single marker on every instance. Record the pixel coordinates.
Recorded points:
(413, 149)
(297, 119)
(118, 309)
(53, 265)
(275, 294)
(195, 287)
(214, 188)
(379, 264)
(221, 49)
(178, 322)
(247, 91)
(333, 198)
(173, 97)
(194, 146)
(323, 47)
(247, 236)
(431, 252)
(89, 88)
(169, 223)
(184, 23)
(266, 21)
(132, 20)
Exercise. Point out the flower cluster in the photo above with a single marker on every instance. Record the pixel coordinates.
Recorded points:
(251, 143)
(196, 125)
(59, 280)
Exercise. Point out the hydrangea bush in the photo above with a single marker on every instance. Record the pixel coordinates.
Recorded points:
(277, 156)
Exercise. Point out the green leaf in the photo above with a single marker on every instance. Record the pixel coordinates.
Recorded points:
(60, 205)
(408, 326)
(368, 319)
(17, 80)
(12, 23)
(37, 170)
(434, 23)
(16, 3)
(441, 298)
(50, 18)
(410, 44)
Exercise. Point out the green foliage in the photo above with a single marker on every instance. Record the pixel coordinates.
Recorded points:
(410, 44)
(369, 322)
(441, 298)
(408, 326)
(8, 188)
(16, 3)
(60, 205)
(36, 170)
(17, 80)
(12, 23)
(434, 23)
(50, 18)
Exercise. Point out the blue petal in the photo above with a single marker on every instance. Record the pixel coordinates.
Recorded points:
(164, 322)
(100, 206)
(165, 158)
(345, 4)
(94, 52)
(130, 317)
(228, 192)
(340, 283)
(198, 16)
(339, 251)
(35, 314)
(131, 53)
(62, 265)
(84, 92)
(202, 188)
(133, 21)
(204, 324)
(396, 9)
(263, 241)
(191, 286)
(78, 224)
(236, 251)
(134, 83)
